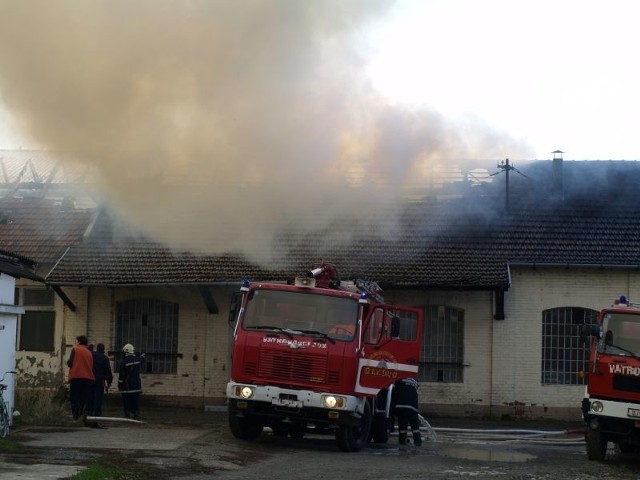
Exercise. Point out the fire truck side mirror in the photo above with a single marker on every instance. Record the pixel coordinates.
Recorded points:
(591, 330)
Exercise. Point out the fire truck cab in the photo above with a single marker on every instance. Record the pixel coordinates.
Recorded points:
(611, 407)
(318, 355)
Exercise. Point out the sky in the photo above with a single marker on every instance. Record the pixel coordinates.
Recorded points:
(559, 74)
(556, 74)
(245, 117)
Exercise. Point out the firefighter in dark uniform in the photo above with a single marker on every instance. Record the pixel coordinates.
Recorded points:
(405, 394)
(129, 382)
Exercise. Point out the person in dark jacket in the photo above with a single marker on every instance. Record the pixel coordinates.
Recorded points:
(104, 377)
(129, 382)
(405, 394)
(81, 377)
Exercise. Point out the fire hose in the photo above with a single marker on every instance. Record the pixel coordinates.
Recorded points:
(529, 436)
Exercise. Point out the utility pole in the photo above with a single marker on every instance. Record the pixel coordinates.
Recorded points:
(506, 168)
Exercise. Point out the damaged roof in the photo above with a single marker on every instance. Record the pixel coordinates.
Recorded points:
(466, 242)
(431, 249)
(41, 229)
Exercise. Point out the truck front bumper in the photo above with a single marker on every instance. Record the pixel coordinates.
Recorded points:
(306, 405)
(614, 418)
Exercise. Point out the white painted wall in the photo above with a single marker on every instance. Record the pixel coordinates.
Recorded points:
(8, 328)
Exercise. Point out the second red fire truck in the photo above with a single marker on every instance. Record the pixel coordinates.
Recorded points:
(611, 406)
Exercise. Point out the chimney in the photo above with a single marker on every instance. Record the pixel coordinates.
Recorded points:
(557, 183)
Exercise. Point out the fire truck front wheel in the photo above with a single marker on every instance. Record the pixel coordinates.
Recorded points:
(245, 428)
(351, 438)
(596, 444)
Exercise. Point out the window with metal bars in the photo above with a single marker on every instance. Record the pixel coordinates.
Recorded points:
(151, 326)
(442, 355)
(564, 354)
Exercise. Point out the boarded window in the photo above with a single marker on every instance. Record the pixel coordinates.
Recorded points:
(564, 354)
(151, 326)
(37, 330)
(442, 354)
(38, 323)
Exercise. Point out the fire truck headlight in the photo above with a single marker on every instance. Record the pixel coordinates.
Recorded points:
(333, 401)
(243, 391)
(597, 407)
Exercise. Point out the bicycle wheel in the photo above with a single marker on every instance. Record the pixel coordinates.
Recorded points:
(4, 420)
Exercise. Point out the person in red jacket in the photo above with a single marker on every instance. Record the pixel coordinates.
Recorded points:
(81, 377)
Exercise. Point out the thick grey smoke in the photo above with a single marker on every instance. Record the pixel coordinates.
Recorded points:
(227, 119)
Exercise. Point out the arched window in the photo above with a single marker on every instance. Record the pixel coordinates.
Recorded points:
(563, 353)
(152, 327)
(442, 356)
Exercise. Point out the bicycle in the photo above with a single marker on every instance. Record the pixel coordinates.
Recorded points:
(4, 413)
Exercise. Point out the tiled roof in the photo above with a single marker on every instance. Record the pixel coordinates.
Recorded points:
(40, 229)
(429, 250)
(465, 243)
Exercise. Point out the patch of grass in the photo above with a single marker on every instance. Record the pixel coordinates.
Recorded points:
(111, 467)
(41, 407)
(6, 445)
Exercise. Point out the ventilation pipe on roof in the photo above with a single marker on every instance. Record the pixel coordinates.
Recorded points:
(557, 183)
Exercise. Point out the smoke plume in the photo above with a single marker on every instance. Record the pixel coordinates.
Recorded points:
(214, 124)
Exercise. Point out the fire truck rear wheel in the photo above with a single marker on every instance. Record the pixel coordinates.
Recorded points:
(245, 428)
(596, 445)
(351, 438)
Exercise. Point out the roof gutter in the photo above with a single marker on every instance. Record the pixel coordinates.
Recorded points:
(600, 266)
(235, 283)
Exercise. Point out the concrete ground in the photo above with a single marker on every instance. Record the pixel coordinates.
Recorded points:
(59, 452)
(196, 444)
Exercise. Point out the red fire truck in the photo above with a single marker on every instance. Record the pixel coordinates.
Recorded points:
(318, 355)
(611, 406)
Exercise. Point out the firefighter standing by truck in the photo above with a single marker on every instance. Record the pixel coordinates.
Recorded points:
(405, 400)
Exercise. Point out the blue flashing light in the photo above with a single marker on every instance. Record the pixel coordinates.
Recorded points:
(245, 284)
(364, 298)
(623, 299)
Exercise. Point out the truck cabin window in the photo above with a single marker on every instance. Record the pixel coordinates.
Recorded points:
(302, 312)
(622, 334)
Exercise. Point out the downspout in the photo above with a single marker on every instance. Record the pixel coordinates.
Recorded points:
(492, 345)
(491, 388)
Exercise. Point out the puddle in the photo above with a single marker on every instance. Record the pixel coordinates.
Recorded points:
(484, 454)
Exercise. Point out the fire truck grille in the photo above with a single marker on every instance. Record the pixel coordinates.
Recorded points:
(250, 368)
(293, 365)
(626, 383)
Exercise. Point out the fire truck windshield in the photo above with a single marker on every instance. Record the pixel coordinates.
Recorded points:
(621, 334)
(300, 312)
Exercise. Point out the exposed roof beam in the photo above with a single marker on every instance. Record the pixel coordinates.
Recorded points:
(67, 301)
(209, 301)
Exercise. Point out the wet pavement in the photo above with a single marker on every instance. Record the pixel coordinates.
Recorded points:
(195, 445)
